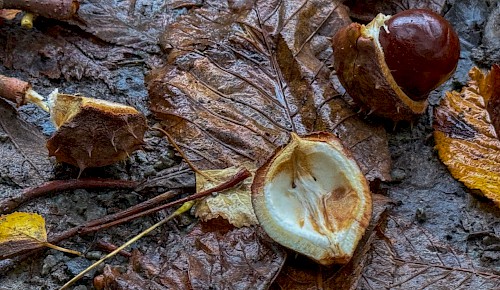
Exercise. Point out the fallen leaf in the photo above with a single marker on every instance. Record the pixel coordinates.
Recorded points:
(25, 163)
(240, 77)
(466, 139)
(213, 253)
(300, 273)
(233, 205)
(408, 256)
(134, 24)
(21, 231)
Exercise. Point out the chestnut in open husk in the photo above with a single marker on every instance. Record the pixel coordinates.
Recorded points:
(390, 65)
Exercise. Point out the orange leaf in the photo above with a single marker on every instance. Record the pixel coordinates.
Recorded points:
(465, 136)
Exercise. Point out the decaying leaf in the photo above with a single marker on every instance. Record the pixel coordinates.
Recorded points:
(212, 253)
(408, 256)
(242, 75)
(234, 204)
(25, 161)
(466, 139)
(92, 132)
(21, 231)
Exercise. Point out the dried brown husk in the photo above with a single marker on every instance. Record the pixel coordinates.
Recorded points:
(465, 136)
(362, 70)
(92, 132)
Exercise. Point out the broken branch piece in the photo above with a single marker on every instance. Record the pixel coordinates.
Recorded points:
(55, 9)
(20, 92)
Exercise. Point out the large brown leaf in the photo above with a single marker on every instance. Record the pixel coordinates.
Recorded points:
(211, 254)
(410, 257)
(242, 75)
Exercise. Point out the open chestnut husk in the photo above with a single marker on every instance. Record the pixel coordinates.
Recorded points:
(311, 197)
(390, 65)
(93, 132)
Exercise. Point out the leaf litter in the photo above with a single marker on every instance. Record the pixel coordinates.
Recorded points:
(103, 70)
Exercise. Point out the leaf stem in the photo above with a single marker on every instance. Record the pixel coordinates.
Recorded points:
(52, 246)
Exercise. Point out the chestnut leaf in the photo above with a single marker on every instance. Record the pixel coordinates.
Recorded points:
(465, 134)
(241, 76)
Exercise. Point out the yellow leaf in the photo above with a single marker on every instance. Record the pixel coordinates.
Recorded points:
(21, 231)
(465, 136)
(234, 204)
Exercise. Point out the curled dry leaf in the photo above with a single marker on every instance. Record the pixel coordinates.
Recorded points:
(212, 253)
(311, 197)
(465, 136)
(234, 204)
(92, 132)
(22, 231)
(241, 76)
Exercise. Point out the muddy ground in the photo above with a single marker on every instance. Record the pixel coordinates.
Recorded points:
(422, 189)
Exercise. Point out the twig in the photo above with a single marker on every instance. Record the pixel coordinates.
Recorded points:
(8, 205)
(109, 247)
(184, 208)
(131, 213)
(55, 9)
(20, 92)
(237, 178)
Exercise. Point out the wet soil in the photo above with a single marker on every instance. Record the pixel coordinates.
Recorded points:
(422, 189)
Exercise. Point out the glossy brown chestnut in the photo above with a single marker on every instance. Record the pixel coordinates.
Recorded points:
(421, 49)
(392, 77)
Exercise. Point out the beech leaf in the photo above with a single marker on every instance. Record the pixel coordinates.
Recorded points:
(241, 76)
(21, 231)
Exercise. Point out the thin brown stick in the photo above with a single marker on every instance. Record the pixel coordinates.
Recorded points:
(55, 9)
(109, 247)
(109, 221)
(8, 205)
(237, 178)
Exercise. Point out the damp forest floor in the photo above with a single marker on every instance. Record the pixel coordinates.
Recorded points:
(53, 55)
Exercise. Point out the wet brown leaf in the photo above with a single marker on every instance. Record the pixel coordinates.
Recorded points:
(134, 24)
(300, 273)
(240, 77)
(25, 162)
(409, 257)
(367, 10)
(213, 253)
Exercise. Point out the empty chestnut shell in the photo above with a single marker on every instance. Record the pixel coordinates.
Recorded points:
(312, 197)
